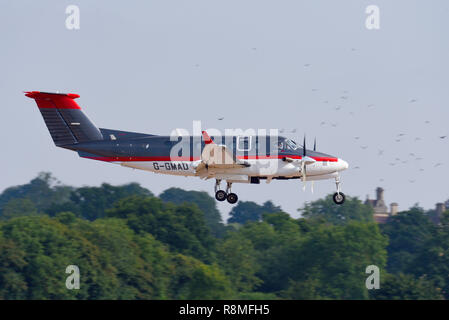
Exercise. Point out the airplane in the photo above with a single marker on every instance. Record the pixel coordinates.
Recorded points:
(234, 159)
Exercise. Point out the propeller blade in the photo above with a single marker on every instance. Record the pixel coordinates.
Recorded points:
(311, 187)
(314, 145)
(304, 176)
(304, 151)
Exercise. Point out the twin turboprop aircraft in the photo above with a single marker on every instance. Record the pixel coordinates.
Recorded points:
(236, 158)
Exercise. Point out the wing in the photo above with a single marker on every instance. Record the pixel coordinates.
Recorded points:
(216, 157)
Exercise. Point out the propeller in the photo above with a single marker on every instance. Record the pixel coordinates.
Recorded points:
(305, 161)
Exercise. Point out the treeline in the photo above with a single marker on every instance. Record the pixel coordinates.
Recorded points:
(130, 244)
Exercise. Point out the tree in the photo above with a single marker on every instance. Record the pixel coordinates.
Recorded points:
(238, 259)
(12, 262)
(18, 207)
(408, 232)
(181, 227)
(405, 287)
(431, 259)
(204, 202)
(42, 191)
(351, 210)
(92, 202)
(330, 261)
(114, 262)
(192, 279)
(246, 211)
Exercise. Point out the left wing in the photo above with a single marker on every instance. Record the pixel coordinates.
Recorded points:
(216, 157)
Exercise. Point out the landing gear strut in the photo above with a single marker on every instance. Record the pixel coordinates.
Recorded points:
(222, 195)
(338, 197)
(232, 197)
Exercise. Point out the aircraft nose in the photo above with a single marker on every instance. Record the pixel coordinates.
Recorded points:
(342, 164)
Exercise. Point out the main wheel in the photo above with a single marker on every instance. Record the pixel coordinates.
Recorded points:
(220, 195)
(339, 197)
(232, 198)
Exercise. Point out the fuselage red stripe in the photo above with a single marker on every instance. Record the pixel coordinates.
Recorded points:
(126, 159)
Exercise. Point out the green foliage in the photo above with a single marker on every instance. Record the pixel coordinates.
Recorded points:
(181, 227)
(408, 231)
(42, 191)
(237, 257)
(193, 279)
(92, 202)
(246, 211)
(432, 258)
(131, 245)
(18, 207)
(318, 261)
(351, 210)
(330, 262)
(204, 202)
(405, 287)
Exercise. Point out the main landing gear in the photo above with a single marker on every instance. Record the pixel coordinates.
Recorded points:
(339, 197)
(222, 195)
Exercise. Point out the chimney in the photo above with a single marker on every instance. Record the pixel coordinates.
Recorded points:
(380, 194)
(440, 209)
(393, 209)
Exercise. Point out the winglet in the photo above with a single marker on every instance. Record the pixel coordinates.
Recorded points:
(207, 139)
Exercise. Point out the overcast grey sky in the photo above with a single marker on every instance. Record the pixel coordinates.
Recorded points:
(259, 64)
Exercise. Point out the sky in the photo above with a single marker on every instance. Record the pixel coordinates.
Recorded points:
(377, 98)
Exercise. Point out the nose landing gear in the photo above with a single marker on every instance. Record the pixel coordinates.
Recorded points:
(338, 197)
(222, 195)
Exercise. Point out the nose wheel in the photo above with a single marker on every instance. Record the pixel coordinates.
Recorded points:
(338, 197)
(222, 195)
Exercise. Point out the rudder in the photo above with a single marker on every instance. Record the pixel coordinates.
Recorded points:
(64, 118)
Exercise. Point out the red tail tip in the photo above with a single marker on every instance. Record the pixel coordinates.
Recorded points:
(38, 94)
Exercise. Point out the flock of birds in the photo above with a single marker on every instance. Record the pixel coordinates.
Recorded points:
(399, 138)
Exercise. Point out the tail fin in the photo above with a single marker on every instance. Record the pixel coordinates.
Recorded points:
(64, 119)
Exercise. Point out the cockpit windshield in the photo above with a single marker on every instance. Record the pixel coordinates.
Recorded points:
(291, 145)
(287, 144)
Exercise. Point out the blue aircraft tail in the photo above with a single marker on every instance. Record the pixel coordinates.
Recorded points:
(64, 118)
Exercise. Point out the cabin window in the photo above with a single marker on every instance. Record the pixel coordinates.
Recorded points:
(244, 143)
